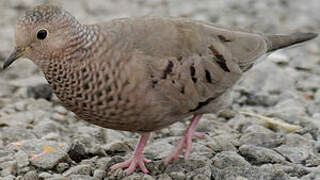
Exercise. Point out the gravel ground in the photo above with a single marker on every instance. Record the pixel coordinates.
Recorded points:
(237, 147)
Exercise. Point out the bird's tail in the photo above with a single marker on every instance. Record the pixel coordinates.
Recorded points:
(276, 42)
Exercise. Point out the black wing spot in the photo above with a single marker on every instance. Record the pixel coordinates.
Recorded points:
(201, 104)
(168, 70)
(221, 61)
(208, 76)
(154, 82)
(182, 90)
(223, 38)
(193, 73)
(223, 66)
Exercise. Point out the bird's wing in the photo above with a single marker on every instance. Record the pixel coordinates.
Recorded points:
(186, 63)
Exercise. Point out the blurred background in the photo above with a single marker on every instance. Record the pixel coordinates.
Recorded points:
(286, 86)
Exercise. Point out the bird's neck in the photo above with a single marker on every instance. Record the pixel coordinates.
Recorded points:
(82, 44)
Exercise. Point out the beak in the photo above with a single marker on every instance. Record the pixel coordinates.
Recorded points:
(14, 55)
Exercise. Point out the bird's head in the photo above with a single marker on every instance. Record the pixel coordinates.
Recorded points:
(42, 34)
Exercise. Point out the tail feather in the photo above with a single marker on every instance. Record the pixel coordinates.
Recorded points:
(276, 42)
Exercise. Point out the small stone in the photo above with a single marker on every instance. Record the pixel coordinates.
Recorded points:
(58, 117)
(267, 140)
(257, 128)
(159, 149)
(10, 177)
(61, 110)
(224, 142)
(241, 178)
(31, 175)
(293, 169)
(227, 113)
(133, 176)
(116, 174)
(81, 177)
(9, 168)
(119, 146)
(22, 159)
(177, 175)
(296, 140)
(279, 58)
(43, 91)
(294, 154)
(99, 174)
(79, 170)
(229, 158)
(203, 173)
(55, 153)
(45, 175)
(314, 175)
(147, 177)
(290, 106)
(6, 89)
(61, 167)
(20, 106)
(164, 177)
(259, 155)
(77, 151)
(103, 163)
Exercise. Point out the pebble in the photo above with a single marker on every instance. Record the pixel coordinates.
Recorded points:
(61, 167)
(164, 177)
(279, 58)
(9, 168)
(22, 159)
(177, 175)
(42, 91)
(77, 151)
(268, 140)
(79, 170)
(294, 154)
(99, 174)
(31, 175)
(260, 155)
(229, 158)
(147, 177)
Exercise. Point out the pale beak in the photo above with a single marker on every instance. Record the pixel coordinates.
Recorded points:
(14, 55)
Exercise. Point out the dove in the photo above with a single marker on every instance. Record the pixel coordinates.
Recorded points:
(141, 74)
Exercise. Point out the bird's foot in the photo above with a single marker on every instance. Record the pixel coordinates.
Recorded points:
(132, 163)
(137, 158)
(185, 142)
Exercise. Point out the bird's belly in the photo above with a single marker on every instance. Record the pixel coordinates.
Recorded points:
(133, 122)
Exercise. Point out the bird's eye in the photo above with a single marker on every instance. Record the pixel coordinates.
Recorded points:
(42, 34)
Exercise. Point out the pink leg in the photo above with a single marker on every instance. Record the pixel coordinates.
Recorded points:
(186, 141)
(137, 158)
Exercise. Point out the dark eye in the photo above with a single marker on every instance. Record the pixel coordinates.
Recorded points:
(42, 34)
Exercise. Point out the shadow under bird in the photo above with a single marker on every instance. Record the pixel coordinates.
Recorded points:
(141, 74)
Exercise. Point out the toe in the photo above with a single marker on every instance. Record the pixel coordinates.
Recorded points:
(120, 165)
(143, 167)
(132, 167)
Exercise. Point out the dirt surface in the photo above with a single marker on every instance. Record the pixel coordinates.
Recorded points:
(286, 87)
